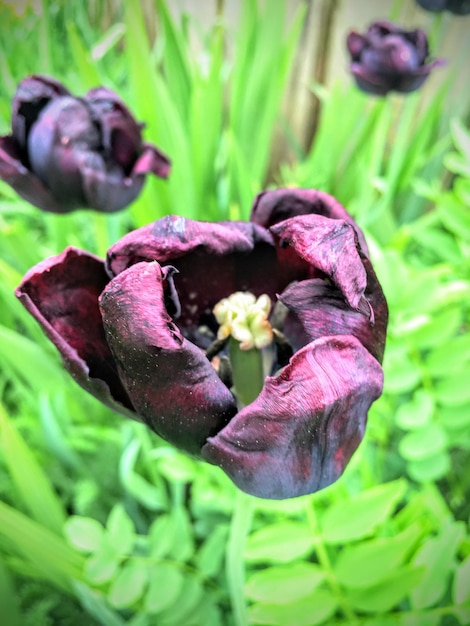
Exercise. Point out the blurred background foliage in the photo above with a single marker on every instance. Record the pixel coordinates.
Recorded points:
(100, 521)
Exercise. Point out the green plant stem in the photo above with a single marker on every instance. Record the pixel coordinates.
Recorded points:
(324, 560)
(234, 561)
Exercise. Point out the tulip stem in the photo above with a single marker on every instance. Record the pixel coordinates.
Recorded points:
(234, 561)
(247, 372)
(325, 563)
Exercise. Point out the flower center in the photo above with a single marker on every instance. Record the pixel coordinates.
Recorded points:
(244, 324)
(245, 318)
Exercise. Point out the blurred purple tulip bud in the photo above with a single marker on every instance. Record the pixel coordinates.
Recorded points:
(68, 153)
(458, 7)
(388, 58)
(139, 332)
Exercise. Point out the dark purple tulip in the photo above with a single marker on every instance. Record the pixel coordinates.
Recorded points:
(67, 153)
(137, 331)
(389, 58)
(458, 7)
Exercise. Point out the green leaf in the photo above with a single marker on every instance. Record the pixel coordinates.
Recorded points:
(358, 517)
(449, 357)
(455, 215)
(461, 586)
(190, 605)
(183, 546)
(102, 565)
(429, 468)
(461, 138)
(48, 552)
(121, 529)
(454, 390)
(441, 328)
(284, 584)
(94, 603)
(455, 418)
(437, 557)
(281, 542)
(368, 563)
(84, 533)
(308, 611)
(401, 373)
(166, 583)
(389, 592)
(423, 442)
(174, 466)
(10, 605)
(161, 536)
(417, 412)
(176, 55)
(210, 555)
(425, 619)
(29, 360)
(140, 488)
(29, 479)
(87, 70)
(128, 586)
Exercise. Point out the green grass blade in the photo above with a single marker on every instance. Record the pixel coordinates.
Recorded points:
(28, 360)
(47, 552)
(176, 60)
(153, 103)
(86, 69)
(31, 483)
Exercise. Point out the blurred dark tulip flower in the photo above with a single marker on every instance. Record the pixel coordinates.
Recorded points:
(137, 332)
(388, 58)
(68, 153)
(458, 7)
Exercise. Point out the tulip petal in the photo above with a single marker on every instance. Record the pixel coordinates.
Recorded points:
(58, 143)
(322, 311)
(170, 381)
(120, 133)
(173, 236)
(152, 160)
(61, 293)
(299, 434)
(105, 186)
(355, 43)
(22, 180)
(214, 260)
(32, 95)
(332, 247)
(273, 206)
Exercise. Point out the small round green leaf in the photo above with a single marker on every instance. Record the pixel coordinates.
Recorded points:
(166, 582)
(430, 468)
(423, 442)
(129, 584)
(85, 533)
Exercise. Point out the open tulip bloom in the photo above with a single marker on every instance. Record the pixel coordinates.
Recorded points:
(388, 58)
(68, 153)
(253, 345)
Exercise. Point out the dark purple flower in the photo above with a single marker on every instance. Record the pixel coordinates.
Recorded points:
(389, 58)
(458, 7)
(67, 153)
(138, 331)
